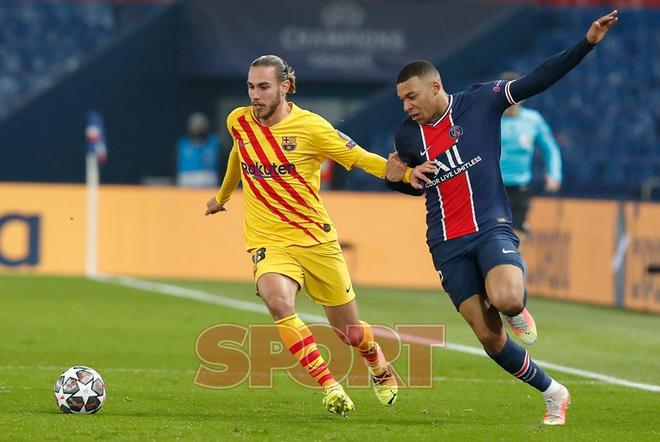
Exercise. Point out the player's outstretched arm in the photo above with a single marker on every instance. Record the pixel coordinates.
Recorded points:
(377, 166)
(555, 67)
(229, 184)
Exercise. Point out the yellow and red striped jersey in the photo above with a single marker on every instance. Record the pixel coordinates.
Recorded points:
(280, 167)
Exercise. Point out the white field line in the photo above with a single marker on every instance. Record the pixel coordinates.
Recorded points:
(190, 372)
(59, 369)
(210, 298)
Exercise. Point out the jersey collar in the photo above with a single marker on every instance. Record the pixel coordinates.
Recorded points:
(436, 122)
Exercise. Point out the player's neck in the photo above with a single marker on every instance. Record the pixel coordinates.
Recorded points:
(280, 114)
(443, 104)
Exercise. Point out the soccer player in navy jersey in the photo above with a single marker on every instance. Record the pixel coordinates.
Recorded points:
(472, 243)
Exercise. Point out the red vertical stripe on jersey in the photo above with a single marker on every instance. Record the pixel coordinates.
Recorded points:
(456, 200)
(437, 138)
(268, 189)
(265, 161)
(454, 193)
(280, 155)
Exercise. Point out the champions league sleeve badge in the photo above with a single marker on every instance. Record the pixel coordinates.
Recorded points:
(349, 143)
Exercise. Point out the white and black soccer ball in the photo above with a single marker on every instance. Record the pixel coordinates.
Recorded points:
(80, 390)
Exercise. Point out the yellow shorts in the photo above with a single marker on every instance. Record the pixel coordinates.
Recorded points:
(321, 269)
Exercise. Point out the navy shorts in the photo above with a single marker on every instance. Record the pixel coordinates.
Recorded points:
(464, 262)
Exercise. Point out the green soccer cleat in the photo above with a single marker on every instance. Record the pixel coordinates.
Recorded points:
(385, 386)
(336, 401)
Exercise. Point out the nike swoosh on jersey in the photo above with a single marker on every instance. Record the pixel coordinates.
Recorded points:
(505, 251)
(423, 152)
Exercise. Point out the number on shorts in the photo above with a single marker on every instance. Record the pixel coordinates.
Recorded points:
(259, 255)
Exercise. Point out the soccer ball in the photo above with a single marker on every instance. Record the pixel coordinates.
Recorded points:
(80, 390)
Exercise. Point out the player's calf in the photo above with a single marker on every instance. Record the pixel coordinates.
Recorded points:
(297, 337)
(516, 360)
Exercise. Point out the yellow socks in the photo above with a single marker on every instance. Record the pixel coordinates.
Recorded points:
(370, 351)
(300, 342)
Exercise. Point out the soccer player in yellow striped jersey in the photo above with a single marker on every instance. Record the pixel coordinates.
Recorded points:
(277, 152)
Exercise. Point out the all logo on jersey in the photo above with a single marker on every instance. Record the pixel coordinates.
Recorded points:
(449, 160)
(289, 143)
(450, 164)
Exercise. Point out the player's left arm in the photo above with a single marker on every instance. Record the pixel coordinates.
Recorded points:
(343, 150)
(548, 145)
(395, 171)
(229, 184)
(555, 67)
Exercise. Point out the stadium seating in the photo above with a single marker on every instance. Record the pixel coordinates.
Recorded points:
(39, 41)
(604, 114)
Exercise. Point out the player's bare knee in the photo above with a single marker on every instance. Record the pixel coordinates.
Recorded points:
(508, 299)
(353, 336)
(278, 305)
(510, 305)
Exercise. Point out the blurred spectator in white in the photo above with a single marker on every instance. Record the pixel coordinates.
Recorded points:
(197, 163)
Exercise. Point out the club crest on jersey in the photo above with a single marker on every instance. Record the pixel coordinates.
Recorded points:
(349, 143)
(455, 132)
(289, 143)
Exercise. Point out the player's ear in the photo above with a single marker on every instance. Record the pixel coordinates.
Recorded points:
(436, 86)
(284, 87)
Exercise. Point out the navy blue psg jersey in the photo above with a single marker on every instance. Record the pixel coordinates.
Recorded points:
(466, 194)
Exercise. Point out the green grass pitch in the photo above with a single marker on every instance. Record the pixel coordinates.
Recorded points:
(142, 343)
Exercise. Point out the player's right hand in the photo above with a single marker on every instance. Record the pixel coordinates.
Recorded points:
(418, 175)
(213, 207)
(600, 27)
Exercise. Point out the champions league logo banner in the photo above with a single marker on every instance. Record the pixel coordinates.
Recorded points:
(326, 40)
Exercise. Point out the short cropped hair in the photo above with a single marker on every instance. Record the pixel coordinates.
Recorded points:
(282, 69)
(416, 68)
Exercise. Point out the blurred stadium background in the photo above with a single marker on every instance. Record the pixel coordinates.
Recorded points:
(145, 66)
